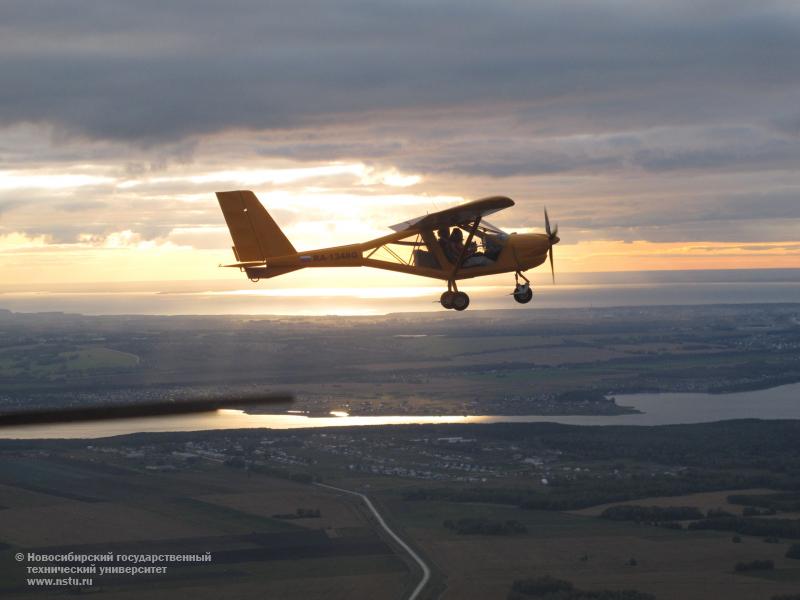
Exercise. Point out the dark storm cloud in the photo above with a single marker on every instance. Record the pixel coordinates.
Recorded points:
(150, 71)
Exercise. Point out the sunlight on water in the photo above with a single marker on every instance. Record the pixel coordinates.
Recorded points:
(221, 419)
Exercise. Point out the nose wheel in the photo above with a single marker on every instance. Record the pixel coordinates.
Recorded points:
(523, 293)
(455, 300)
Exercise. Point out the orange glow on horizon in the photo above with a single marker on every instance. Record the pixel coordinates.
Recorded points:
(29, 261)
(605, 256)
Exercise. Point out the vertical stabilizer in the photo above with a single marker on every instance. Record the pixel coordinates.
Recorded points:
(255, 234)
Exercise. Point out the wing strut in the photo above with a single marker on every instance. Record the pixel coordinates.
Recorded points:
(457, 264)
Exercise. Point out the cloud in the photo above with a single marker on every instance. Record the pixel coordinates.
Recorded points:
(81, 206)
(15, 241)
(155, 72)
(666, 122)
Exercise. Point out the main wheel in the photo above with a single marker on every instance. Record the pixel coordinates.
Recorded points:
(460, 301)
(447, 299)
(523, 294)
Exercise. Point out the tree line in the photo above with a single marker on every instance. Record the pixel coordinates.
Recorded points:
(651, 514)
(781, 528)
(484, 526)
(550, 588)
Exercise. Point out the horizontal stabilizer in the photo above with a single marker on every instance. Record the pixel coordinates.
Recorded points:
(248, 263)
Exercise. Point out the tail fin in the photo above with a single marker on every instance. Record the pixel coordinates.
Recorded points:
(255, 235)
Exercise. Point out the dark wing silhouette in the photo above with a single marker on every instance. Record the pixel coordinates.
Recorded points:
(135, 410)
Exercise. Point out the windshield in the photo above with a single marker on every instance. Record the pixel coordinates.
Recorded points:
(489, 228)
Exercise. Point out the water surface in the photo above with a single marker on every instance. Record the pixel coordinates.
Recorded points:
(657, 409)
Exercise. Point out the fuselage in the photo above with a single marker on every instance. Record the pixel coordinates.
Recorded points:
(520, 252)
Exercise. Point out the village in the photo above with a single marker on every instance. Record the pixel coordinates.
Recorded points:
(380, 453)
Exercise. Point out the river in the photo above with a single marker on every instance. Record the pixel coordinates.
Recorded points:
(656, 409)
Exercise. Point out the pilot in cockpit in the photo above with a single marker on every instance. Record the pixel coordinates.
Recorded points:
(472, 257)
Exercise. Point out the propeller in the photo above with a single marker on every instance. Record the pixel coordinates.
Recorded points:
(553, 238)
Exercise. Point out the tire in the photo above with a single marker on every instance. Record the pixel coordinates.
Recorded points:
(447, 299)
(523, 297)
(460, 301)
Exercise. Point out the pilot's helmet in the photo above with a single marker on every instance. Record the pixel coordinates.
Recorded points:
(457, 235)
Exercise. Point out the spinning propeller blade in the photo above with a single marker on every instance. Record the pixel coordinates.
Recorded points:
(552, 237)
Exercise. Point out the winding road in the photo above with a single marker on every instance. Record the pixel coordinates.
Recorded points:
(426, 572)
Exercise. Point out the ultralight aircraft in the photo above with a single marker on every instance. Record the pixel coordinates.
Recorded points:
(432, 245)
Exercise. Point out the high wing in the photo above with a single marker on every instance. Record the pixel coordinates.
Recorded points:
(458, 215)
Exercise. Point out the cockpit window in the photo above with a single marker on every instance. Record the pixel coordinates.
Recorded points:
(489, 228)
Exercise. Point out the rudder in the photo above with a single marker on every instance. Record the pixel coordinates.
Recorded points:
(255, 234)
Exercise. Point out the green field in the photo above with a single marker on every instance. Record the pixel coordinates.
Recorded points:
(43, 363)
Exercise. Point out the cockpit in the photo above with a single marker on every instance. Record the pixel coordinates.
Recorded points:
(483, 250)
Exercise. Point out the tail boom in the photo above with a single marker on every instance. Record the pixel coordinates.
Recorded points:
(256, 273)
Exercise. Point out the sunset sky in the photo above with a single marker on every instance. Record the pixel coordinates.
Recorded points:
(661, 135)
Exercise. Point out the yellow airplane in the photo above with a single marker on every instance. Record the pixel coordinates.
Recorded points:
(431, 246)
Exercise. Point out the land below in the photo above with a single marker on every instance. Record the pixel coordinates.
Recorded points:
(688, 511)
(507, 510)
(549, 362)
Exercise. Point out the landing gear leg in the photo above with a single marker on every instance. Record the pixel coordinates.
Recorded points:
(522, 291)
